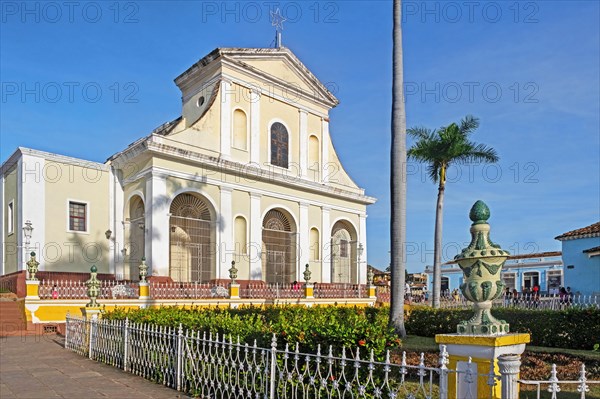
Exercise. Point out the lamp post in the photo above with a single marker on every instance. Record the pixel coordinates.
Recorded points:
(361, 249)
(27, 232)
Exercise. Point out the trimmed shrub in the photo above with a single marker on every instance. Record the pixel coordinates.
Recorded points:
(574, 328)
(339, 327)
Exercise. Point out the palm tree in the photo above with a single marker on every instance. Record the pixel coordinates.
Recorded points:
(398, 181)
(439, 149)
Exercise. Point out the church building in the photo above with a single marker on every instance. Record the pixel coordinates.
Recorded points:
(247, 173)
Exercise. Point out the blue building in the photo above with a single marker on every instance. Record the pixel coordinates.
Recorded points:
(520, 272)
(581, 256)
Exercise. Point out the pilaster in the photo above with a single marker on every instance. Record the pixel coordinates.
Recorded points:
(255, 97)
(326, 247)
(157, 225)
(226, 96)
(304, 244)
(255, 237)
(227, 247)
(325, 139)
(303, 142)
(362, 239)
(32, 207)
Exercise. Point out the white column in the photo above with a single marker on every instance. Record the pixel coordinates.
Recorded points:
(326, 246)
(304, 244)
(111, 221)
(255, 238)
(226, 245)
(362, 239)
(509, 367)
(226, 96)
(303, 142)
(255, 97)
(33, 205)
(2, 224)
(118, 241)
(326, 171)
(157, 225)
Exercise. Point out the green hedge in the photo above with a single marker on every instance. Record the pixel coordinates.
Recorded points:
(571, 328)
(336, 326)
(365, 327)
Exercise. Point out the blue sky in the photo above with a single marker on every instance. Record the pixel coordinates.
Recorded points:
(87, 79)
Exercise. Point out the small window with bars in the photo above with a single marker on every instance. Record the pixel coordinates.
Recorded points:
(77, 216)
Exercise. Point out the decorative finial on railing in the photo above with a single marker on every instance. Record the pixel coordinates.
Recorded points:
(32, 267)
(143, 269)
(93, 287)
(233, 272)
(481, 263)
(307, 273)
(370, 276)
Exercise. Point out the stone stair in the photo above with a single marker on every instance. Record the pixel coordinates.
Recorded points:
(12, 319)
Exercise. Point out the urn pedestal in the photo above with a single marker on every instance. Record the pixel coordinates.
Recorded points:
(475, 348)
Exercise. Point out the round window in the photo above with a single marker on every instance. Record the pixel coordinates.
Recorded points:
(200, 101)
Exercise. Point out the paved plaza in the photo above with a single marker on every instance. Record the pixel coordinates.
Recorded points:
(39, 367)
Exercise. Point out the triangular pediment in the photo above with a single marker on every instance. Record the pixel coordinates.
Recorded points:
(275, 66)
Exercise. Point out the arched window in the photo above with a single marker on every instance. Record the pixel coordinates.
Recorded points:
(240, 235)
(136, 231)
(240, 129)
(314, 244)
(279, 247)
(343, 253)
(279, 145)
(314, 164)
(192, 238)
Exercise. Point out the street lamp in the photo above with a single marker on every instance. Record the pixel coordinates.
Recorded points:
(360, 252)
(27, 232)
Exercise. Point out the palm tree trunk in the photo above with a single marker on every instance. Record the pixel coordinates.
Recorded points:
(437, 246)
(398, 180)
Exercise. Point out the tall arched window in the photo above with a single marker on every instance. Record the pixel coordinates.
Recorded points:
(314, 244)
(240, 235)
(136, 232)
(192, 238)
(279, 145)
(343, 253)
(279, 247)
(240, 129)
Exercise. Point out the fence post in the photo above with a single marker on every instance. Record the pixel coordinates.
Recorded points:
(509, 366)
(273, 367)
(444, 360)
(67, 330)
(126, 344)
(92, 327)
(179, 356)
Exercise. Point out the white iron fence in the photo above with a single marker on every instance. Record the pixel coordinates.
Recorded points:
(217, 367)
(188, 290)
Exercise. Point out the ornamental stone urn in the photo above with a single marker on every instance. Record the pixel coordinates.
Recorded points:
(93, 288)
(32, 267)
(481, 263)
(143, 270)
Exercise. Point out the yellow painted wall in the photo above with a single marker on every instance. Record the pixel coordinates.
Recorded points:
(10, 241)
(76, 251)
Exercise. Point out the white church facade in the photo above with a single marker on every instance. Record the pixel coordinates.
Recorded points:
(248, 173)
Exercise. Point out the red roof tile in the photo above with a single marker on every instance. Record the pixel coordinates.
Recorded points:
(593, 230)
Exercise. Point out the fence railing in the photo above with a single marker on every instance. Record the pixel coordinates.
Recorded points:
(272, 291)
(218, 367)
(187, 290)
(9, 283)
(522, 301)
(339, 290)
(69, 289)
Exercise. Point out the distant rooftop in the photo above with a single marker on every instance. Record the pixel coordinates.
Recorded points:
(593, 230)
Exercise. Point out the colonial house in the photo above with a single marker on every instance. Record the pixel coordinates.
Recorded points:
(247, 173)
(581, 255)
(520, 272)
